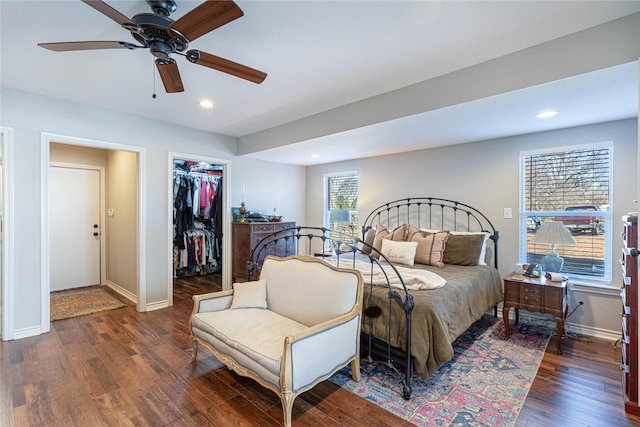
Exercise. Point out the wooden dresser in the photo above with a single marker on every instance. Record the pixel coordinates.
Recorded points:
(245, 236)
(629, 294)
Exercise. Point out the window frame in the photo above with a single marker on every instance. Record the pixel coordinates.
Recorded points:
(607, 278)
(325, 196)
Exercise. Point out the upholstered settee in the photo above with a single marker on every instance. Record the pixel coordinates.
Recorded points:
(291, 329)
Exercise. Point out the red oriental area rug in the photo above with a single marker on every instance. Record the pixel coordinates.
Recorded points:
(485, 384)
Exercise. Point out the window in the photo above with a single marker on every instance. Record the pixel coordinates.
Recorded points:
(341, 194)
(572, 185)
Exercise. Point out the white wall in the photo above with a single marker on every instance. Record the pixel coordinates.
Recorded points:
(122, 228)
(29, 115)
(485, 175)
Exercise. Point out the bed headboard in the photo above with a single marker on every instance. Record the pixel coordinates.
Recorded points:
(434, 213)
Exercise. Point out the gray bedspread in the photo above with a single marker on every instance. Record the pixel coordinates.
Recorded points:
(439, 315)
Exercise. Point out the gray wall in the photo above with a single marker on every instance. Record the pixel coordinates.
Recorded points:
(485, 175)
(29, 115)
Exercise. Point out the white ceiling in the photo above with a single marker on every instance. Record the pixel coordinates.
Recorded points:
(320, 55)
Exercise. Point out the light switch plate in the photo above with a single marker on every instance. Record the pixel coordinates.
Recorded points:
(508, 213)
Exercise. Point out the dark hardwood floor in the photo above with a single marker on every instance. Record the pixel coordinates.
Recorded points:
(124, 368)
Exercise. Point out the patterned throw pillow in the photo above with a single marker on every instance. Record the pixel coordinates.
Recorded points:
(398, 235)
(431, 246)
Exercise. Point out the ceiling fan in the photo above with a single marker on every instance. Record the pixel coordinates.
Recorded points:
(164, 37)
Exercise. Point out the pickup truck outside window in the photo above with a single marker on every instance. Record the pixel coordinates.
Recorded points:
(583, 224)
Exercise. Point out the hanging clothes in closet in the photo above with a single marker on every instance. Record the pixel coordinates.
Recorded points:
(197, 242)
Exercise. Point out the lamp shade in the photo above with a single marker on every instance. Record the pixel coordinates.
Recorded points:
(553, 233)
(339, 215)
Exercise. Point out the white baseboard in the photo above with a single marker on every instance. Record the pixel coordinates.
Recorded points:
(593, 332)
(27, 332)
(157, 305)
(122, 291)
(130, 296)
(577, 328)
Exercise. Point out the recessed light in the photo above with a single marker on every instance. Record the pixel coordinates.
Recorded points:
(315, 156)
(205, 103)
(546, 114)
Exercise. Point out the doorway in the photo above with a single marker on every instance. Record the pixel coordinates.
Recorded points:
(132, 160)
(200, 230)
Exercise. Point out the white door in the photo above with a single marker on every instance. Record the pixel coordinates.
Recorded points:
(75, 229)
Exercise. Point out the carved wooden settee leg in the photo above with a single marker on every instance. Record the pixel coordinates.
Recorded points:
(355, 369)
(194, 353)
(287, 407)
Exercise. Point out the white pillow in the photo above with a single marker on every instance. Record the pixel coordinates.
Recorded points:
(250, 294)
(483, 252)
(399, 252)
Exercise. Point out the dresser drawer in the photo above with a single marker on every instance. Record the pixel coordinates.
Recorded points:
(262, 228)
(283, 225)
(532, 296)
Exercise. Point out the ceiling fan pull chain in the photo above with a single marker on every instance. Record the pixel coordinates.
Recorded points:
(153, 70)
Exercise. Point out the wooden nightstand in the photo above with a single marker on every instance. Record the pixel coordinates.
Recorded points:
(536, 295)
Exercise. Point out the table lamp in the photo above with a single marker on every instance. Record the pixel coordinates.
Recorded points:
(338, 216)
(553, 233)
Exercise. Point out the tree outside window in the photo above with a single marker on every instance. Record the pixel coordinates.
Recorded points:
(342, 194)
(573, 186)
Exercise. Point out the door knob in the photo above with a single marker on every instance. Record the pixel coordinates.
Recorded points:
(634, 252)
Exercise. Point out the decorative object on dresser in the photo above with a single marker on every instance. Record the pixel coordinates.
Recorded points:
(553, 233)
(245, 236)
(629, 315)
(243, 207)
(538, 295)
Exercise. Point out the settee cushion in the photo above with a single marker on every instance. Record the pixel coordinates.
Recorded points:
(256, 333)
(250, 294)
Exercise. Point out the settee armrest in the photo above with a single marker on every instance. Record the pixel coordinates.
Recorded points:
(316, 353)
(214, 301)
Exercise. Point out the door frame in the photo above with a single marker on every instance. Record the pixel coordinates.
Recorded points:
(103, 217)
(6, 281)
(226, 211)
(46, 139)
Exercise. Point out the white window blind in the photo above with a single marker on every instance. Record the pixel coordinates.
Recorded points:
(341, 192)
(573, 186)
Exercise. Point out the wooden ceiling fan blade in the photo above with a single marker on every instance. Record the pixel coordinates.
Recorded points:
(206, 17)
(212, 61)
(170, 75)
(88, 45)
(110, 12)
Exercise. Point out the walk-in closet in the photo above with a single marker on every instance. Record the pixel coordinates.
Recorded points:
(197, 219)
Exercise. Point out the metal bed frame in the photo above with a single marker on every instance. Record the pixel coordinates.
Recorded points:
(420, 211)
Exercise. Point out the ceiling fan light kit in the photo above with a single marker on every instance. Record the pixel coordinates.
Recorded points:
(164, 37)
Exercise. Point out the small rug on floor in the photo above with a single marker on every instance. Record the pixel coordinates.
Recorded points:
(485, 384)
(74, 304)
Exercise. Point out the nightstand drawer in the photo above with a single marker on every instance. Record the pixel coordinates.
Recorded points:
(532, 296)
